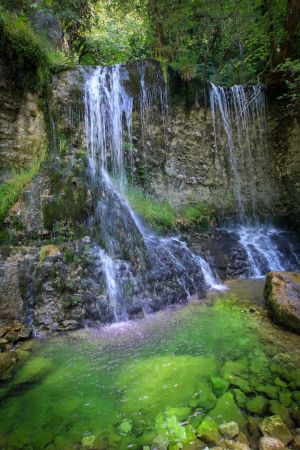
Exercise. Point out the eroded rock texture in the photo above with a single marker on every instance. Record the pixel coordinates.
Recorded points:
(282, 294)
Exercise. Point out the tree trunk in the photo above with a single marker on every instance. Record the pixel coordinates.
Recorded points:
(156, 20)
(292, 19)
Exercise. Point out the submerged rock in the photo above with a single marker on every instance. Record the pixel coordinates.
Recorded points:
(270, 443)
(209, 432)
(282, 294)
(219, 385)
(226, 410)
(229, 430)
(257, 404)
(274, 426)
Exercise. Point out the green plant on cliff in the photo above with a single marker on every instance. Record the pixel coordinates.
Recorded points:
(11, 190)
(162, 215)
(290, 71)
(25, 53)
(159, 214)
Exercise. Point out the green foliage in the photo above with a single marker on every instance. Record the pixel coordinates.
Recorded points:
(163, 216)
(26, 53)
(115, 37)
(227, 41)
(69, 256)
(11, 190)
(159, 214)
(75, 17)
(290, 71)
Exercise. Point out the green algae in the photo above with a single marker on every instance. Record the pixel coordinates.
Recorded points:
(162, 381)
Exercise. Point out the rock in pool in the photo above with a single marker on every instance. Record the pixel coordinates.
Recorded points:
(282, 294)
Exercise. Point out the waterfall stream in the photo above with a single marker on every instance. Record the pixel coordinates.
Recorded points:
(239, 113)
(159, 267)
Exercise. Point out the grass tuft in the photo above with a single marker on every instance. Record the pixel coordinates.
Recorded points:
(163, 216)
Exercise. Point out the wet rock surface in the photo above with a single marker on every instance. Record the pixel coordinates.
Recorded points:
(282, 294)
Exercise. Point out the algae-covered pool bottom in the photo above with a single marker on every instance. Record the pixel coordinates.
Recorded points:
(160, 380)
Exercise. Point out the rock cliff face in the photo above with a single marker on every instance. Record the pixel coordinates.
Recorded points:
(22, 127)
(174, 157)
(189, 166)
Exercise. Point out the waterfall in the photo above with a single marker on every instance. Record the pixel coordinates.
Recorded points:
(239, 113)
(163, 269)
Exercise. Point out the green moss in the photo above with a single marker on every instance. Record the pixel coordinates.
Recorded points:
(205, 397)
(209, 431)
(179, 373)
(69, 206)
(269, 390)
(257, 404)
(226, 410)
(219, 385)
(240, 397)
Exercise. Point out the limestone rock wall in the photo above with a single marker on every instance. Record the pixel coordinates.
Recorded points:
(23, 135)
(188, 167)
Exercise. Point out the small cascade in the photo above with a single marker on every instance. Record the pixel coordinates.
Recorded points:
(162, 269)
(268, 249)
(239, 113)
(114, 286)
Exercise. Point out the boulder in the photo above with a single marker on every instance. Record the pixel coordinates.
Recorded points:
(274, 426)
(229, 429)
(257, 404)
(282, 294)
(270, 443)
(208, 431)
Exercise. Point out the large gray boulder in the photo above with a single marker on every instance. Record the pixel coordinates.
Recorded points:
(282, 294)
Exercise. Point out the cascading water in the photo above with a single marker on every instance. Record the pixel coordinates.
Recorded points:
(163, 268)
(239, 113)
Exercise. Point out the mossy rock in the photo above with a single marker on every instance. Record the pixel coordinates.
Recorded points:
(35, 369)
(208, 431)
(240, 397)
(275, 427)
(259, 364)
(268, 389)
(180, 413)
(236, 367)
(280, 410)
(205, 397)
(6, 360)
(296, 397)
(285, 398)
(240, 382)
(257, 404)
(279, 382)
(226, 410)
(220, 385)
